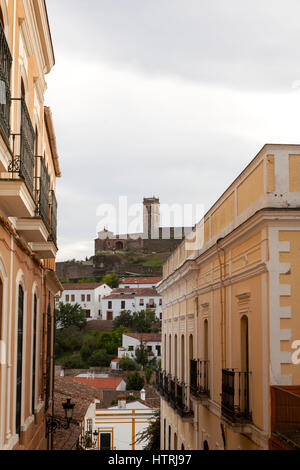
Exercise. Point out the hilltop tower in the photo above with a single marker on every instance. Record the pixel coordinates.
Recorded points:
(151, 218)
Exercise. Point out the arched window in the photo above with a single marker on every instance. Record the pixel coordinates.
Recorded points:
(23, 92)
(182, 357)
(170, 355)
(182, 446)
(175, 357)
(170, 433)
(19, 359)
(34, 352)
(175, 441)
(205, 342)
(48, 357)
(244, 344)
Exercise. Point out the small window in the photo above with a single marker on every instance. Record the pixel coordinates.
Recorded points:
(160, 302)
(72, 298)
(110, 304)
(123, 304)
(88, 298)
(83, 298)
(130, 348)
(89, 425)
(142, 302)
(67, 298)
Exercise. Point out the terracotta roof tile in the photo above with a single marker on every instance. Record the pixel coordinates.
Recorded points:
(82, 396)
(109, 383)
(131, 293)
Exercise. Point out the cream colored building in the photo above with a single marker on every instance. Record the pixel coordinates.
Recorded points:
(28, 219)
(231, 324)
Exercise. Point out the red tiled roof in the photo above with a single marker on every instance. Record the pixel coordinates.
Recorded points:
(131, 293)
(83, 286)
(108, 383)
(116, 360)
(146, 337)
(140, 280)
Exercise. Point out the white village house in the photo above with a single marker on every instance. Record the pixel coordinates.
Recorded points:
(139, 282)
(88, 295)
(117, 427)
(132, 341)
(133, 299)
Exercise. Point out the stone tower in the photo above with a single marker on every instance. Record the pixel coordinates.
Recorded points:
(151, 218)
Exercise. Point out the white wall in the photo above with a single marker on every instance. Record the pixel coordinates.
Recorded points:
(95, 303)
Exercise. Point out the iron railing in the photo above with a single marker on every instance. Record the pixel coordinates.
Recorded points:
(235, 396)
(53, 217)
(174, 392)
(199, 378)
(24, 163)
(44, 188)
(5, 97)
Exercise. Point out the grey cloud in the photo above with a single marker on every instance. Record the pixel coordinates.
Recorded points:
(251, 44)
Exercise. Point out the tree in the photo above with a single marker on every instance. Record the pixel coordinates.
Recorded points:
(135, 381)
(127, 364)
(141, 355)
(68, 315)
(124, 319)
(148, 375)
(144, 321)
(151, 436)
(111, 280)
(100, 359)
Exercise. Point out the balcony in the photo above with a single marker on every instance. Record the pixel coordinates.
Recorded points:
(37, 229)
(235, 399)
(285, 405)
(183, 408)
(199, 380)
(175, 393)
(5, 99)
(17, 189)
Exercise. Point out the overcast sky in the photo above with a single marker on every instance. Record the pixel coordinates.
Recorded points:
(171, 98)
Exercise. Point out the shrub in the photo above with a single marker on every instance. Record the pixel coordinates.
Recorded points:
(135, 381)
(73, 362)
(127, 364)
(100, 359)
(148, 375)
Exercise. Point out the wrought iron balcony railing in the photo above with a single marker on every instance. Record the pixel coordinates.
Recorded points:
(235, 396)
(182, 404)
(5, 98)
(44, 192)
(174, 392)
(199, 371)
(24, 163)
(53, 217)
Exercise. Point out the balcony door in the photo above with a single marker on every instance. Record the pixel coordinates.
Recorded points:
(19, 359)
(244, 364)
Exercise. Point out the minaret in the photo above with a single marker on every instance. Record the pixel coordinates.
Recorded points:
(151, 218)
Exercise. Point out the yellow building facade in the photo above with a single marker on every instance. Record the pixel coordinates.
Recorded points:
(29, 167)
(229, 378)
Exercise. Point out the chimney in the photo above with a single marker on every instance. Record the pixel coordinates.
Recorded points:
(122, 402)
(143, 395)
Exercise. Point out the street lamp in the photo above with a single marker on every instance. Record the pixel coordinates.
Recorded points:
(52, 423)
